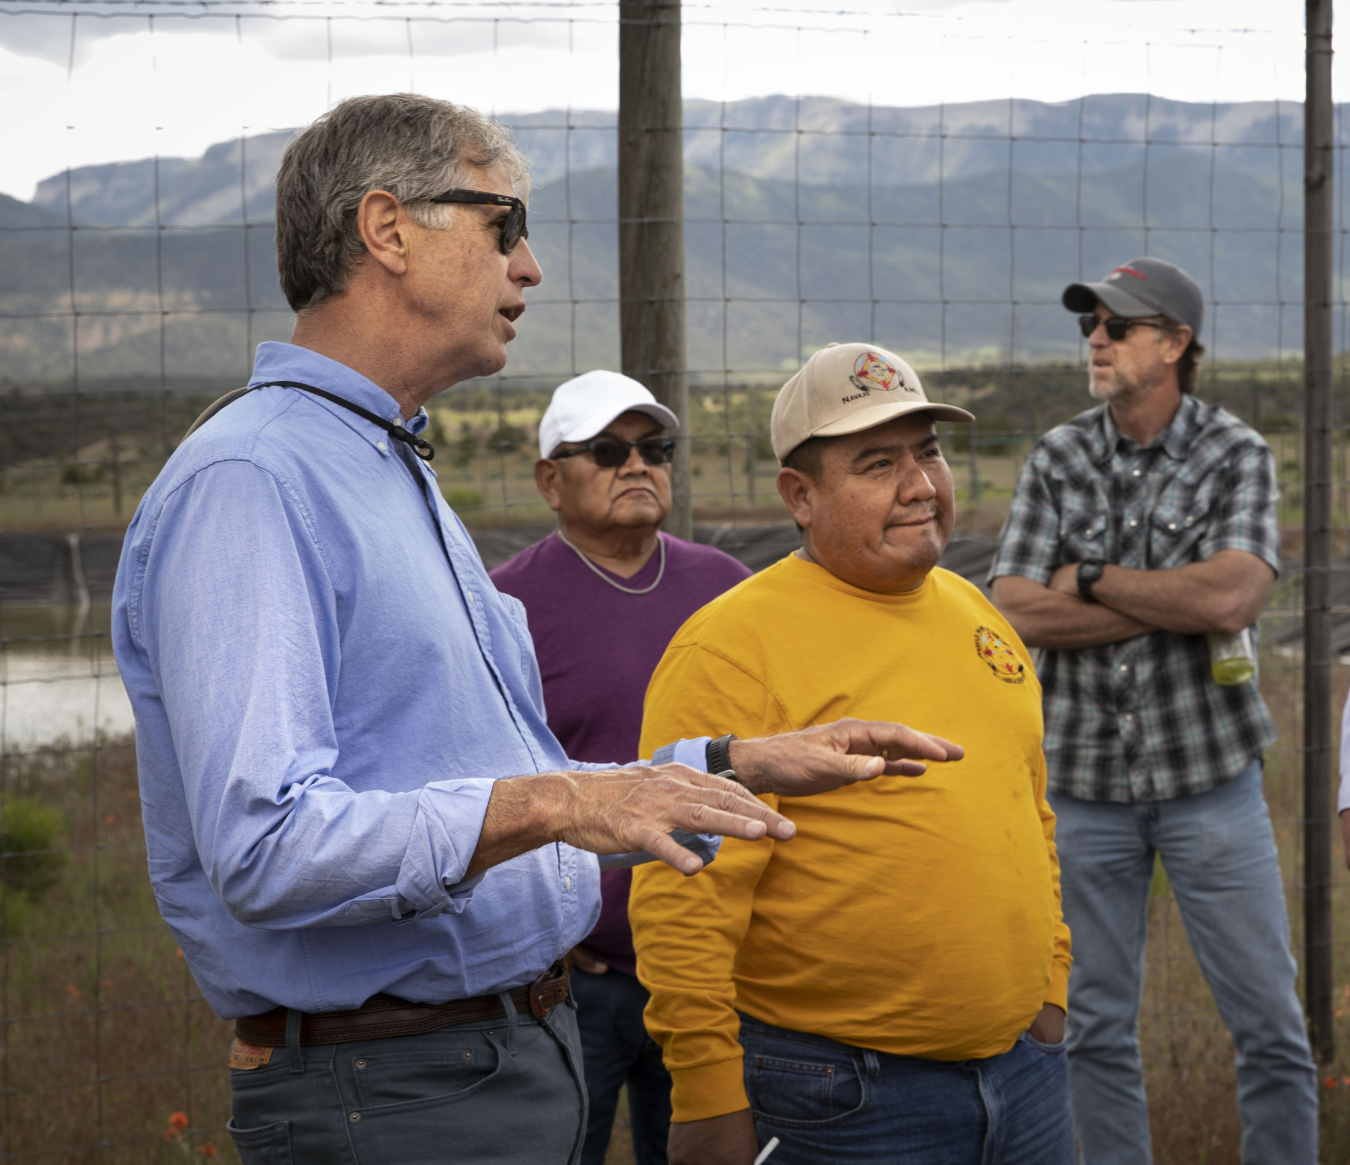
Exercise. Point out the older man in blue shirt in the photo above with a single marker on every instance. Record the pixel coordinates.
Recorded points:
(330, 693)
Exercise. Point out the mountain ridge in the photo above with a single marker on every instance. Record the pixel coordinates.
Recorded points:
(816, 141)
(965, 266)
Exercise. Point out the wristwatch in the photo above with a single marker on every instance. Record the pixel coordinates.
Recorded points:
(1089, 571)
(719, 757)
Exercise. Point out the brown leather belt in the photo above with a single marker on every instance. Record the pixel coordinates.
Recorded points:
(382, 1017)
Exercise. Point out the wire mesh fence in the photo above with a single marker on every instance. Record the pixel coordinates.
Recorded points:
(837, 187)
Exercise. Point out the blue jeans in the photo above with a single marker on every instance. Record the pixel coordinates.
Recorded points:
(616, 1049)
(494, 1093)
(1219, 853)
(831, 1104)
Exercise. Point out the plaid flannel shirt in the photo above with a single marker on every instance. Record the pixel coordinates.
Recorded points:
(1142, 720)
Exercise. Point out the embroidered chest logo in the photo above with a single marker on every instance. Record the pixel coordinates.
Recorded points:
(1000, 657)
(871, 372)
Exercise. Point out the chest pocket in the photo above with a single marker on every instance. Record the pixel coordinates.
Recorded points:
(1177, 526)
(1083, 533)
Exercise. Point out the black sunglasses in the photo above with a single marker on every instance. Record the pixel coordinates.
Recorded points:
(513, 225)
(610, 452)
(1117, 327)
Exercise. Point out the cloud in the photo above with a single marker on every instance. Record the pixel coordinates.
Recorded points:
(54, 36)
(202, 77)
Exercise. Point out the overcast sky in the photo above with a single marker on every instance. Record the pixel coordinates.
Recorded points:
(130, 86)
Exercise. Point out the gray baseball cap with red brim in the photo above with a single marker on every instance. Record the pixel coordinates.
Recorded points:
(1141, 288)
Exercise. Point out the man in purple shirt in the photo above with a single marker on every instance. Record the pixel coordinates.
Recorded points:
(605, 594)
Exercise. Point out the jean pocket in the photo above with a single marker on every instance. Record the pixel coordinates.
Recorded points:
(267, 1145)
(800, 1093)
(457, 1067)
(1049, 1049)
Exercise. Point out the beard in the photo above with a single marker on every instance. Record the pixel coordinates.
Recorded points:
(1116, 389)
(1106, 390)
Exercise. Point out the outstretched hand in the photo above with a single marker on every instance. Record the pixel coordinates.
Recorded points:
(615, 811)
(622, 810)
(828, 756)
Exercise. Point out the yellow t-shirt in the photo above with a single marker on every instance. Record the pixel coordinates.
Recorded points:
(918, 916)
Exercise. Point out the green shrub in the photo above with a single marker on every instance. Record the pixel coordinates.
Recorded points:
(507, 438)
(30, 863)
(81, 474)
(465, 449)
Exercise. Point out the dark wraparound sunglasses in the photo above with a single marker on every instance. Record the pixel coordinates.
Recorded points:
(513, 225)
(1117, 327)
(610, 453)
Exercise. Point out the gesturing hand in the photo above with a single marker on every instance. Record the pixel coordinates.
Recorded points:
(616, 811)
(816, 760)
(621, 810)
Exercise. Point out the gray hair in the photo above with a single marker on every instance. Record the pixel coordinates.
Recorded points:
(413, 147)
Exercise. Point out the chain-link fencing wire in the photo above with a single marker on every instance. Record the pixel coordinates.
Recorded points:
(826, 199)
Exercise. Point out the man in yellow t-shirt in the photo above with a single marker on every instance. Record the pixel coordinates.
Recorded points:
(890, 987)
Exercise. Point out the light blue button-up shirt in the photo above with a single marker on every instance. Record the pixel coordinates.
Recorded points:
(326, 685)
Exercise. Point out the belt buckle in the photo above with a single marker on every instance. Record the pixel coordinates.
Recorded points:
(553, 978)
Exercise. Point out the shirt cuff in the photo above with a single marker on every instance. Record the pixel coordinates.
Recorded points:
(444, 836)
(693, 753)
(708, 1090)
(705, 845)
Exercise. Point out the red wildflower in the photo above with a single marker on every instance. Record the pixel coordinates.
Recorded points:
(178, 1120)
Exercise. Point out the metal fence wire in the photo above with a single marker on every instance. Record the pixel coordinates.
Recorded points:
(835, 187)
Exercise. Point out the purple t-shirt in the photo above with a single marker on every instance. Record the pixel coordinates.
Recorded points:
(597, 650)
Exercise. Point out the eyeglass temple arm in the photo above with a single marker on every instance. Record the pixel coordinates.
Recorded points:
(477, 197)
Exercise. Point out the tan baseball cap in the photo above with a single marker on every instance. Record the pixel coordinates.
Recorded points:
(845, 388)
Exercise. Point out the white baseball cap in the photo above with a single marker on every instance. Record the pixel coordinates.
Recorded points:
(845, 388)
(583, 406)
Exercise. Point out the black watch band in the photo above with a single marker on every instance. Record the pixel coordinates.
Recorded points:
(719, 757)
(1089, 571)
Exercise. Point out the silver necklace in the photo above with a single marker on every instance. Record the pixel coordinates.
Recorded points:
(656, 582)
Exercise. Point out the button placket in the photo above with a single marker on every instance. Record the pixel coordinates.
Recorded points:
(483, 634)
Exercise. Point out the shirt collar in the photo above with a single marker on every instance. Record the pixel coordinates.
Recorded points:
(1175, 440)
(278, 361)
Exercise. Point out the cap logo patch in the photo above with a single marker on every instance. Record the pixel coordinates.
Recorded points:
(871, 372)
(1128, 270)
(1000, 657)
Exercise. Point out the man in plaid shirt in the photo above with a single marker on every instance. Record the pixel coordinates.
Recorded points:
(1138, 528)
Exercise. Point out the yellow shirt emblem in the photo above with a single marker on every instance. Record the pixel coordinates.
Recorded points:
(1001, 658)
